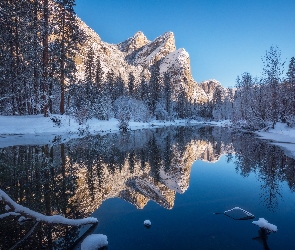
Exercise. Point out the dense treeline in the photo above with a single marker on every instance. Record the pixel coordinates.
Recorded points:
(258, 102)
(38, 40)
(264, 102)
(109, 96)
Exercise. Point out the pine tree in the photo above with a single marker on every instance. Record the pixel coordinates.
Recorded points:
(109, 85)
(155, 86)
(89, 66)
(45, 55)
(290, 95)
(291, 71)
(272, 71)
(181, 103)
(68, 37)
(119, 89)
(167, 93)
(143, 90)
(131, 84)
(98, 74)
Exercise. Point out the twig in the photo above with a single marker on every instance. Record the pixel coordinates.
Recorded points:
(8, 214)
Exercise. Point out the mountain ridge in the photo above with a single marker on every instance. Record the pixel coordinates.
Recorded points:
(137, 55)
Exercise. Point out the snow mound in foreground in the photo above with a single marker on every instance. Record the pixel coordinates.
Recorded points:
(94, 242)
(147, 223)
(263, 223)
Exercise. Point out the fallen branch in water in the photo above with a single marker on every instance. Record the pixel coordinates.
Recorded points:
(28, 213)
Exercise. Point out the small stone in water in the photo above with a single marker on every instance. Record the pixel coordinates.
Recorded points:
(147, 223)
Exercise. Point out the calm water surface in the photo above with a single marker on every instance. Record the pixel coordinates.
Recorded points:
(175, 177)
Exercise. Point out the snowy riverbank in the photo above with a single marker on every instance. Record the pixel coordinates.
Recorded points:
(282, 136)
(36, 129)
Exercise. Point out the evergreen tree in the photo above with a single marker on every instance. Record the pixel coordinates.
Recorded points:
(155, 86)
(291, 71)
(143, 90)
(119, 89)
(68, 37)
(181, 103)
(109, 85)
(89, 66)
(131, 84)
(167, 94)
(272, 71)
(291, 87)
(98, 74)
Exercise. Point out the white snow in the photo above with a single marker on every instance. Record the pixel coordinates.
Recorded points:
(94, 242)
(147, 223)
(283, 136)
(21, 219)
(177, 59)
(263, 223)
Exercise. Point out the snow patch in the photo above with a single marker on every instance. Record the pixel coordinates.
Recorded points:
(22, 219)
(147, 223)
(263, 223)
(94, 242)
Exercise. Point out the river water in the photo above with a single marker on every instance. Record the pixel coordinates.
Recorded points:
(177, 177)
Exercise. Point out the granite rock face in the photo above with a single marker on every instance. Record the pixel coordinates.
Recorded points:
(138, 55)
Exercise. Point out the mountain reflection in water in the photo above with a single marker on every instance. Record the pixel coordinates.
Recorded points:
(74, 178)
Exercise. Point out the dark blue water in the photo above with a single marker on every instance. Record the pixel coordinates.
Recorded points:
(191, 224)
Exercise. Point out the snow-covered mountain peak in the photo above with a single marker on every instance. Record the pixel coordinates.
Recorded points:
(138, 56)
(154, 51)
(133, 43)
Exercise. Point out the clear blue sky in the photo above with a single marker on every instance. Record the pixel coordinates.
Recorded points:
(223, 37)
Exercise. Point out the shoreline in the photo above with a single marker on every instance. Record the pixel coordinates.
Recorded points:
(40, 130)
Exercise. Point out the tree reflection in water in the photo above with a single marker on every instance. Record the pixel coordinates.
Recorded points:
(269, 162)
(73, 179)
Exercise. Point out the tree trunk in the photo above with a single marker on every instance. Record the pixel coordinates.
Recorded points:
(62, 75)
(45, 58)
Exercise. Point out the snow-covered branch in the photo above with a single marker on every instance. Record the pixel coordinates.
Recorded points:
(54, 219)
(8, 214)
